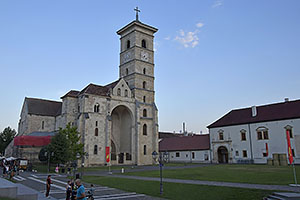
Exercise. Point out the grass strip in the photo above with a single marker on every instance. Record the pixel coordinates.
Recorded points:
(255, 174)
(178, 191)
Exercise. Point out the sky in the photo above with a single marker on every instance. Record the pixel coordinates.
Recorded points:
(211, 56)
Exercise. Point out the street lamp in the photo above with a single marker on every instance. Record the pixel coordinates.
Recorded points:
(47, 153)
(160, 158)
(82, 165)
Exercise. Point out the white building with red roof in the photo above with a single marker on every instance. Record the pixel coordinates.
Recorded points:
(257, 134)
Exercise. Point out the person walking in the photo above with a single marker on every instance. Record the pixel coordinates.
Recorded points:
(80, 190)
(68, 191)
(48, 185)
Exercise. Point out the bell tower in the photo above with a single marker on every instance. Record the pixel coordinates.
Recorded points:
(137, 69)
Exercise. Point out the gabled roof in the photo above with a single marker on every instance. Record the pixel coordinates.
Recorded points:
(270, 112)
(98, 89)
(185, 143)
(43, 107)
(71, 93)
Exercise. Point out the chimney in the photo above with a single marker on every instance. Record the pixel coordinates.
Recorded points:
(286, 99)
(254, 111)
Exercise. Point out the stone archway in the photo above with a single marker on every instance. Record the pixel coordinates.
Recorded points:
(121, 134)
(222, 154)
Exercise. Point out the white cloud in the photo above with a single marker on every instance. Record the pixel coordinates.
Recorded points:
(200, 25)
(217, 3)
(167, 38)
(189, 39)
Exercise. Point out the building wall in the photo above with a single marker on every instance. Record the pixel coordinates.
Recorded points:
(277, 142)
(201, 156)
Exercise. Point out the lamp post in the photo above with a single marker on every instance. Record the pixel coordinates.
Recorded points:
(49, 154)
(160, 158)
(86, 156)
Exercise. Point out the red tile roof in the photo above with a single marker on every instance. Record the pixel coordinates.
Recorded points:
(185, 143)
(270, 112)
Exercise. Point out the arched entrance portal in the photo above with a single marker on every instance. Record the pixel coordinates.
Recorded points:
(121, 134)
(222, 154)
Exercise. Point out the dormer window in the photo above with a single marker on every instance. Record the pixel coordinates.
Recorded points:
(144, 43)
(126, 93)
(128, 44)
(96, 107)
(119, 92)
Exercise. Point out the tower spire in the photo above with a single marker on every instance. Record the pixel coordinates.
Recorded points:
(137, 13)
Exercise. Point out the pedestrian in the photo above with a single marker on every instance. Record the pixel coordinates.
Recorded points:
(68, 191)
(48, 185)
(74, 188)
(80, 190)
(56, 169)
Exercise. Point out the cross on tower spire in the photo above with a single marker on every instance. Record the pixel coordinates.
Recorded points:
(137, 13)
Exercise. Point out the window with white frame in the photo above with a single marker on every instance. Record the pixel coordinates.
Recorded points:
(262, 133)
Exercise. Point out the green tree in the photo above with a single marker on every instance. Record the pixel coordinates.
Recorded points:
(66, 145)
(59, 149)
(43, 155)
(6, 137)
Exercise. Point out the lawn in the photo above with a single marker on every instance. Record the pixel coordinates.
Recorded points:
(260, 174)
(178, 191)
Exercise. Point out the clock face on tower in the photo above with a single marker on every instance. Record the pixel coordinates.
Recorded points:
(144, 56)
(126, 57)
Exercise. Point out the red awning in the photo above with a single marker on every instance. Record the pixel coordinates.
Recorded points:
(35, 141)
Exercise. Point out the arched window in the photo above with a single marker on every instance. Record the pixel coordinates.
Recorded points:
(262, 133)
(96, 123)
(290, 130)
(96, 131)
(144, 84)
(144, 113)
(144, 99)
(145, 129)
(126, 93)
(126, 71)
(243, 135)
(144, 71)
(43, 124)
(144, 43)
(96, 107)
(145, 149)
(96, 149)
(113, 151)
(128, 44)
(119, 92)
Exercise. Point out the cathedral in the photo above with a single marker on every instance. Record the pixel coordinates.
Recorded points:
(121, 115)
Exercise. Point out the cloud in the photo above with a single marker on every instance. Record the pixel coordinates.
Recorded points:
(200, 25)
(189, 38)
(217, 3)
(167, 38)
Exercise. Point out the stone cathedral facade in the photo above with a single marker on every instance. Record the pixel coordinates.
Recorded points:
(121, 115)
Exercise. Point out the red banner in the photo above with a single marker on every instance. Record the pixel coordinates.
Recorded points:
(267, 150)
(107, 154)
(290, 154)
